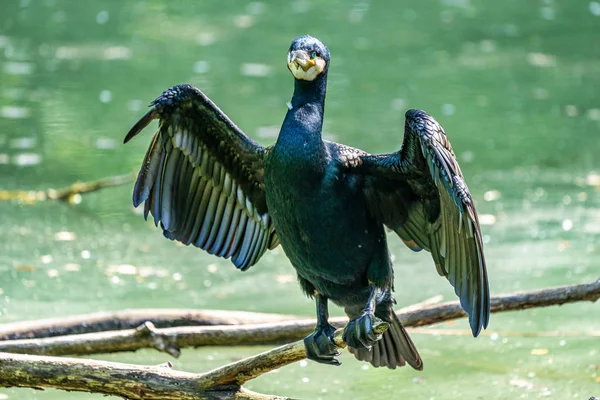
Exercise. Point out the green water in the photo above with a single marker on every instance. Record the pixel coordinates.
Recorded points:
(514, 83)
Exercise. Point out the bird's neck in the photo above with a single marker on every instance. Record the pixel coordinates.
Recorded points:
(304, 120)
(310, 92)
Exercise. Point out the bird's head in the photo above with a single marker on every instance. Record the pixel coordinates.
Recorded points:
(307, 58)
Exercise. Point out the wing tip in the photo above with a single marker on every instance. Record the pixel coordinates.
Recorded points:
(137, 200)
(140, 194)
(240, 262)
(476, 327)
(480, 324)
(141, 124)
(411, 244)
(479, 317)
(169, 97)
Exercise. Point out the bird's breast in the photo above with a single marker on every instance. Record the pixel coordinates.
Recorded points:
(322, 221)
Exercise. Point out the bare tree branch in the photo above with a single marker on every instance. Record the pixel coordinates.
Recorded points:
(169, 340)
(555, 296)
(131, 319)
(134, 382)
(172, 340)
(148, 383)
(242, 371)
(68, 193)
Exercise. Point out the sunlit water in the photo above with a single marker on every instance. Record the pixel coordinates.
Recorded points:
(514, 83)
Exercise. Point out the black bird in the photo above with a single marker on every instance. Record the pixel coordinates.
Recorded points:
(327, 204)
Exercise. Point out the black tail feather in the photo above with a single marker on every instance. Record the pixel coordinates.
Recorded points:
(395, 348)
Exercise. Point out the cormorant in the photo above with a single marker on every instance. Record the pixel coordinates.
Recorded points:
(327, 204)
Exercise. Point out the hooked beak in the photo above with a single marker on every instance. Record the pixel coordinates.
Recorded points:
(301, 59)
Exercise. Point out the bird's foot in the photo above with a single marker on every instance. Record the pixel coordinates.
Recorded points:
(359, 332)
(320, 345)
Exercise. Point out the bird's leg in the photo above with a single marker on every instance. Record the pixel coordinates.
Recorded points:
(359, 332)
(320, 345)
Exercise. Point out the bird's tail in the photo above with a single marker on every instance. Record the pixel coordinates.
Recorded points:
(395, 348)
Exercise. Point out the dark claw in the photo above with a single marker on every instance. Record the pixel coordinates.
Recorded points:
(320, 346)
(359, 332)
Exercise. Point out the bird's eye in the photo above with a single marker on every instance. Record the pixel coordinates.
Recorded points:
(313, 55)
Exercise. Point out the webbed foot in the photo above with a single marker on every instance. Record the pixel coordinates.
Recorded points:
(320, 345)
(359, 332)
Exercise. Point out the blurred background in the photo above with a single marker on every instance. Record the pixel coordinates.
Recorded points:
(515, 84)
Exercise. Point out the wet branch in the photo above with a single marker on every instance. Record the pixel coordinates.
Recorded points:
(172, 340)
(69, 193)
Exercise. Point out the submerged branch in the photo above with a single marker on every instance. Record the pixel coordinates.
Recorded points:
(172, 340)
(69, 194)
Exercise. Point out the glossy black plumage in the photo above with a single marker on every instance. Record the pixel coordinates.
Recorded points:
(202, 179)
(210, 185)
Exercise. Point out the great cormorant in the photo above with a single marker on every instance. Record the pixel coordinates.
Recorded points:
(208, 184)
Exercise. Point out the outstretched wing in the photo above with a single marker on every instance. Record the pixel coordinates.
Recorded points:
(202, 178)
(420, 193)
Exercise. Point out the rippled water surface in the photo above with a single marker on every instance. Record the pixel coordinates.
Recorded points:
(514, 83)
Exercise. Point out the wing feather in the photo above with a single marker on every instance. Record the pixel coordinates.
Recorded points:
(217, 221)
(222, 232)
(235, 225)
(420, 193)
(462, 252)
(202, 178)
(238, 236)
(208, 221)
(158, 188)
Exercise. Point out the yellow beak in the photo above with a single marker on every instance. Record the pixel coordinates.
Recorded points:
(301, 59)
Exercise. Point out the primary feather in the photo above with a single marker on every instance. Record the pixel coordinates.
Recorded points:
(201, 178)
